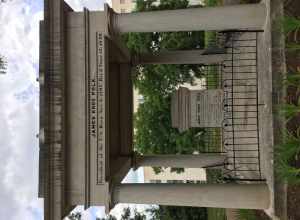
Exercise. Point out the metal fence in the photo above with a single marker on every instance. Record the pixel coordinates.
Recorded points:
(237, 76)
(241, 107)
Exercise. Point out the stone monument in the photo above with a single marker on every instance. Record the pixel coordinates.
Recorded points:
(86, 109)
(197, 108)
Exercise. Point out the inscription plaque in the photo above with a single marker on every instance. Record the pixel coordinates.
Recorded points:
(96, 109)
(101, 108)
(206, 108)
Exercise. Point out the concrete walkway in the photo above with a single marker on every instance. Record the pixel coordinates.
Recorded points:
(267, 84)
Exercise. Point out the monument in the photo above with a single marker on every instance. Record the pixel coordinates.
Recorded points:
(86, 109)
(197, 108)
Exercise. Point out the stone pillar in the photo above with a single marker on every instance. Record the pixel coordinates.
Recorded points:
(239, 196)
(180, 161)
(244, 16)
(180, 57)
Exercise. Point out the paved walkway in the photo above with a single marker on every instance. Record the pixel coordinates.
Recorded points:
(265, 86)
(241, 135)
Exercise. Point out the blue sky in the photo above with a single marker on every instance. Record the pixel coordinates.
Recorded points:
(19, 37)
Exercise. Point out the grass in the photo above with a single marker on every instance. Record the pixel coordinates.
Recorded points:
(289, 110)
(216, 214)
(293, 46)
(290, 24)
(246, 214)
(289, 151)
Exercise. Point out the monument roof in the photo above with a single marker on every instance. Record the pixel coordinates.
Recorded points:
(85, 109)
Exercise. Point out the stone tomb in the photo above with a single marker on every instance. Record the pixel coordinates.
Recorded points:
(197, 108)
(86, 109)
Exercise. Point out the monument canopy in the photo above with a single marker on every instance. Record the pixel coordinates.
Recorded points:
(85, 109)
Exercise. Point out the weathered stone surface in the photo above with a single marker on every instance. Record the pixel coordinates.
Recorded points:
(197, 108)
(206, 108)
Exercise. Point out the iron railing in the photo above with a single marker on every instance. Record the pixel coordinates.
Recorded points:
(241, 107)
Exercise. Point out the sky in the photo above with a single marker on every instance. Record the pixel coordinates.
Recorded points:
(19, 92)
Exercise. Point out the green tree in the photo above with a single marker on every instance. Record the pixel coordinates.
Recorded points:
(135, 215)
(156, 83)
(178, 213)
(154, 133)
(127, 215)
(75, 216)
(2, 65)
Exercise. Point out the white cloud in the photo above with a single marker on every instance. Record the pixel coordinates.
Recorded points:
(78, 5)
(19, 116)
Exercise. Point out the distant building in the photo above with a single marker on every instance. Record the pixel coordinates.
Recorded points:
(190, 175)
(123, 6)
(126, 6)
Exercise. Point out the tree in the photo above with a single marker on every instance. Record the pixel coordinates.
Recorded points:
(75, 216)
(178, 213)
(127, 215)
(2, 65)
(109, 217)
(156, 83)
(163, 213)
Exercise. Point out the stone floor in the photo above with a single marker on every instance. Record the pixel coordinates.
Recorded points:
(241, 96)
(266, 112)
(266, 80)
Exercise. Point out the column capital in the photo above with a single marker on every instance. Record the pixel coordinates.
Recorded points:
(111, 17)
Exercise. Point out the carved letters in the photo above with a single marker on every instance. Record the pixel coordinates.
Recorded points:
(96, 106)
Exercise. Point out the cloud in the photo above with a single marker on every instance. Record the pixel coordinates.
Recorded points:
(78, 5)
(19, 37)
(19, 110)
(19, 94)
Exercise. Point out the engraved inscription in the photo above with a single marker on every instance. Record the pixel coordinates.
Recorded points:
(93, 108)
(100, 110)
(206, 108)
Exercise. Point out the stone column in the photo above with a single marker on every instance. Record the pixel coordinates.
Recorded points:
(180, 57)
(180, 161)
(244, 16)
(239, 196)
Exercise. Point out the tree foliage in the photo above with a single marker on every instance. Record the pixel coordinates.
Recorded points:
(2, 65)
(128, 214)
(75, 216)
(178, 213)
(162, 213)
(156, 83)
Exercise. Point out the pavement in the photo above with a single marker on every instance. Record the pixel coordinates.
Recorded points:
(270, 66)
